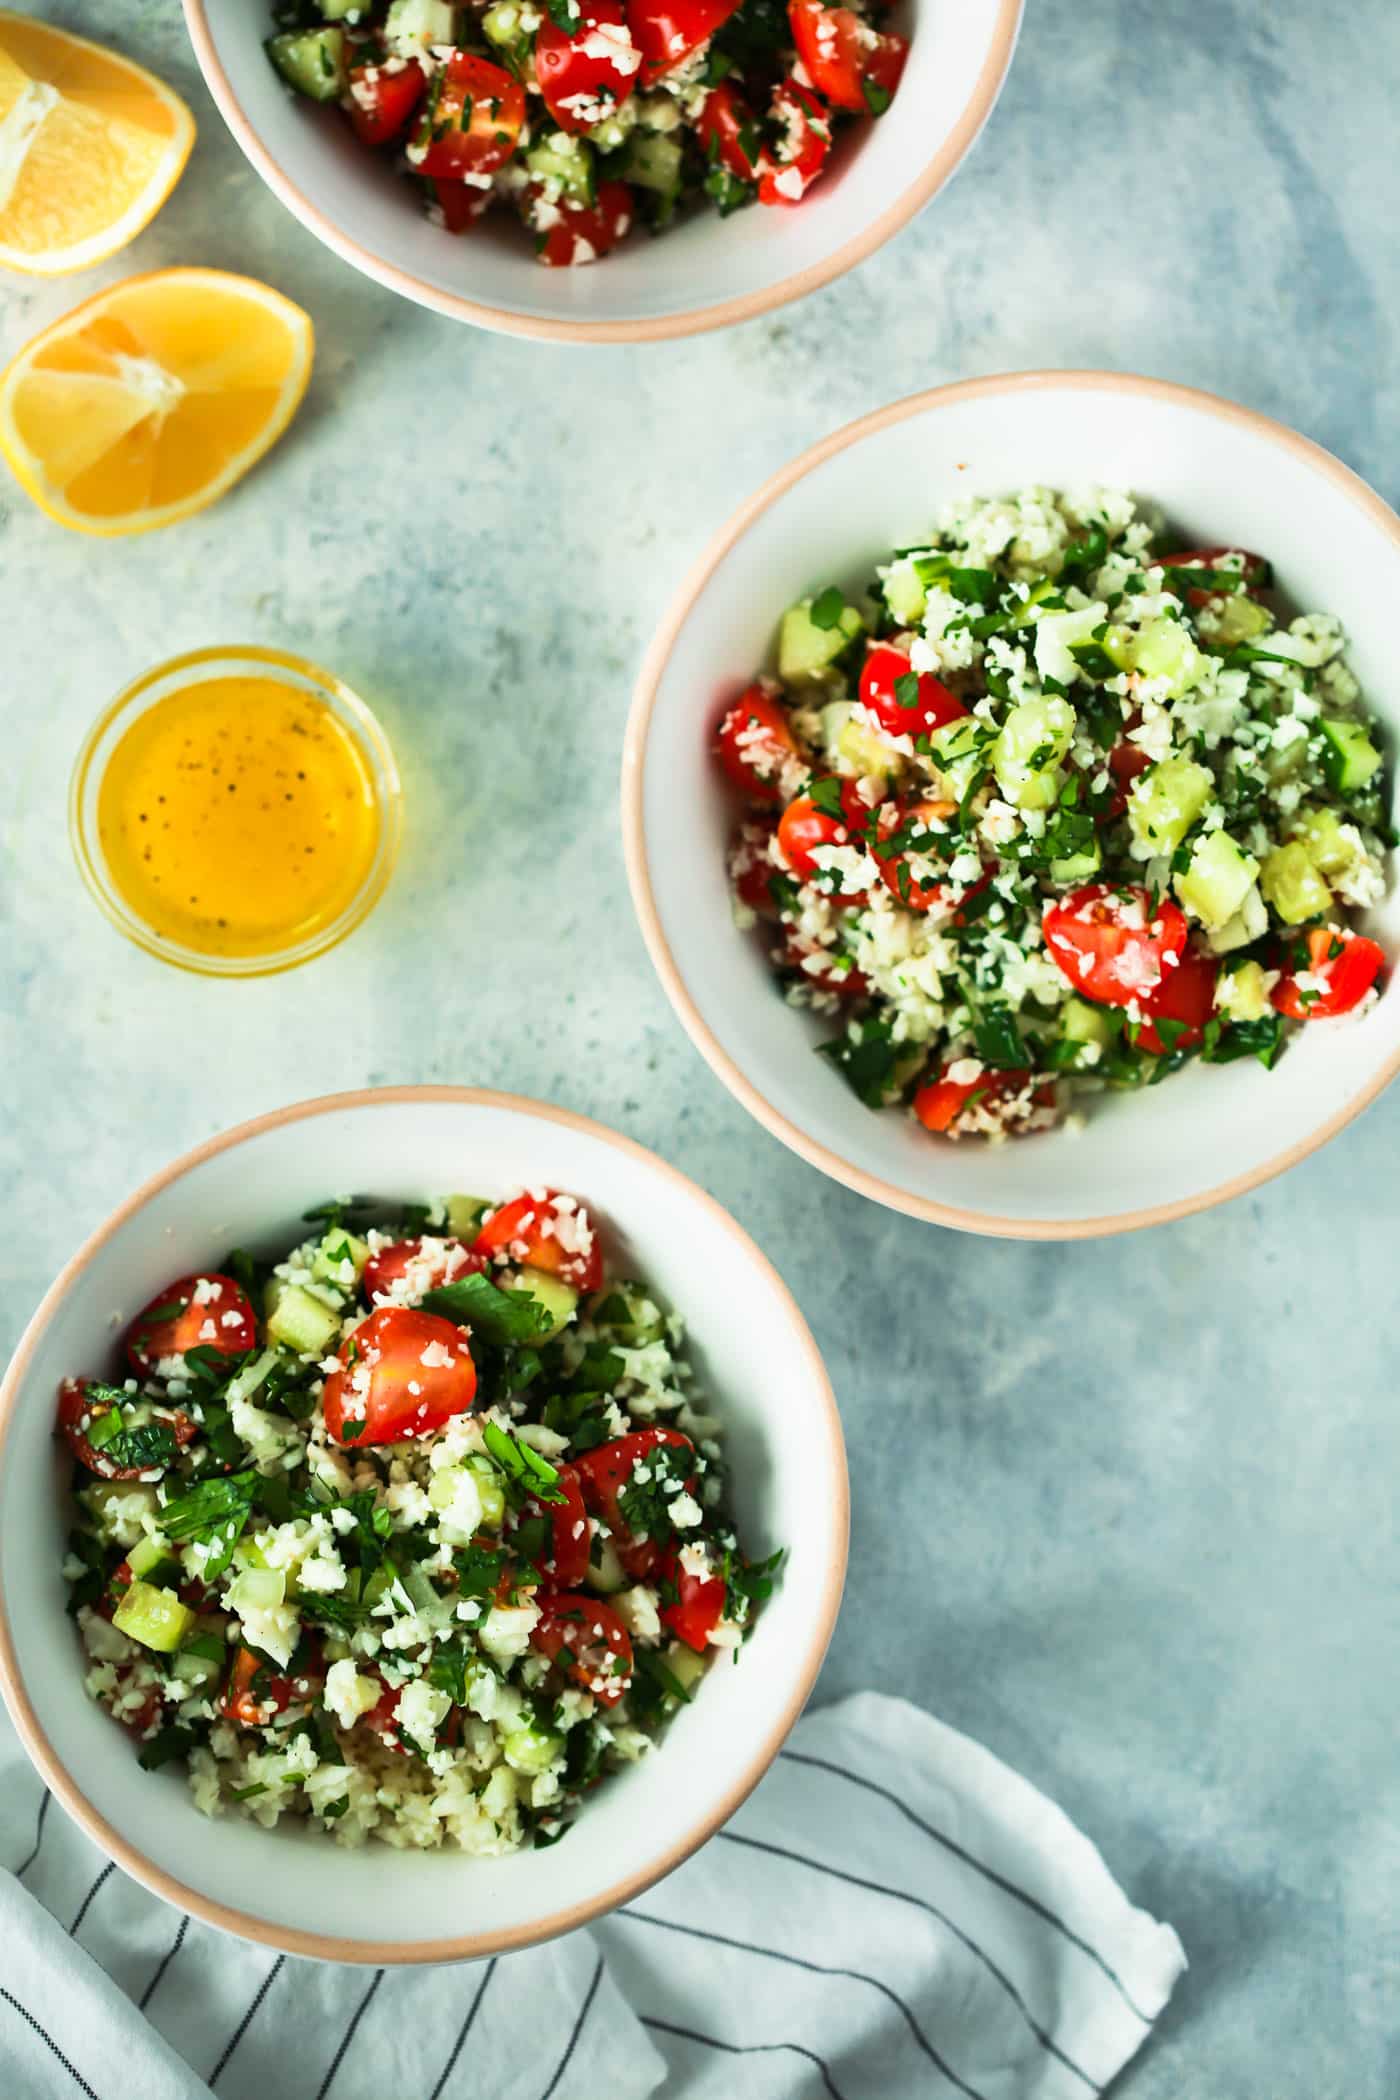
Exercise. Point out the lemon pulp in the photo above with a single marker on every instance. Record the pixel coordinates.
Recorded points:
(237, 817)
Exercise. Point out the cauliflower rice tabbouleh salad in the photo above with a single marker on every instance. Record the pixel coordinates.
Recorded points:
(1057, 809)
(583, 115)
(422, 1548)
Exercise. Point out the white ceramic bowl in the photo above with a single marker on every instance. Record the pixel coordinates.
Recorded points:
(1223, 476)
(705, 274)
(294, 1889)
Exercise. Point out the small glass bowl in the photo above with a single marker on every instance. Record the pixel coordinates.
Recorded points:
(196, 666)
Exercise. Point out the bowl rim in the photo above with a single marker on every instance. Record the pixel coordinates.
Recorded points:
(647, 688)
(724, 313)
(465, 1946)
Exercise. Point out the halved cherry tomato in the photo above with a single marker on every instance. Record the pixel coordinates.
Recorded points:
(1125, 762)
(426, 1262)
(585, 77)
(402, 1374)
(566, 1561)
(199, 1312)
(382, 100)
(804, 829)
(461, 204)
(939, 1104)
(604, 1473)
(728, 131)
(1187, 996)
(1346, 964)
(568, 235)
(754, 743)
(545, 1230)
(1255, 570)
(803, 128)
(75, 1414)
(841, 54)
(472, 124)
(699, 1604)
(899, 827)
(382, 1717)
(667, 31)
(904, 702)
(1113, 942)
(751, 868)
(597, 1641)
(253, 1692)
(819, 968)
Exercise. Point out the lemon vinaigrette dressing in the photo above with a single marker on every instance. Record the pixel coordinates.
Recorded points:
(237, 816)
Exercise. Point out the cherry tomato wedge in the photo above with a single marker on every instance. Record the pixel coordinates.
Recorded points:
(198, 1312)
(1330, 971)
(402, 1374)
(824, 971)
(75, 1415)
(804, 139)
(472, 124)
(383, 1718)
(568, 235)
(598, 1643)
(603, 1475)
(667, 31)
(565, 1562)
(804, 828)
(1114, 945)
(728, 131)
(903, 701)
(699, 1604)
(754, 743)
(253, 1692)
(585, 77)
(461, 204)
(423, 1263)
(913, 832)
(382, 100)
(545, 1230)
(751, 868)
(1125, 762)
(854, 66)
(1187, 997)
(939, 1104)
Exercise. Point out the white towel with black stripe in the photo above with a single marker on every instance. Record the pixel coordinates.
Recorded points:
(892, 1913)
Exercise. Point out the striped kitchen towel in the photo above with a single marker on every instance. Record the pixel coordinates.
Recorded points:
(892, 1913)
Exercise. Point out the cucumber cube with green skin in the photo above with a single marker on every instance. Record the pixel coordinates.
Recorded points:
(957, 754)
(152, 1560)
(1082, 1023)
(685, 1665)
(500, 25)
(532, 1750)
(1242, 993)
(1025, 757)
(859, 751)
(155, 1618)
(312, 61)
(653, 162)
(905, 594)
(1230, 621)
(1220, 877)
(301, 1322)
(342, 10)
(1079, 867)
(567, 160)
(1293, 884)
(1349, 757)
(1166, 801)
(464, 1215)
(1332, 844)
(340, 1260)
(559, 1299)
(805, 650)
(419, 22)
(1249, 924)
(1162, 648)
(624, 1313)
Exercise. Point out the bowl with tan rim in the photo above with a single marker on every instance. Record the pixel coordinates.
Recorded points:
(294, 1888)
(706, 273)
(1224, 477)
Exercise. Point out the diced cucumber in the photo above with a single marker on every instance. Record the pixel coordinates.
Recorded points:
(1293, 884)
(1078, 867)
(616, 128)
(1249, 924)
(685, 1665)
(104, 1497)
(532, 1750)
(1237, 619)
(1218, 880)
(905, 594)
(1242, 992)
(560, 157)
(302, 1322)
(312, 61)
(559, 1299)
(464, 1215)
(155, 1618)
(861, 752)
(500, 25)
(606, 1574)
(257, 1589)
(152, 1560)
(342, 10)
(805, 650)
(1166, 801)
(1059, 634)
(488, 1487)
(1162, 648)
(340, 1260)
(202, 1659)
(957, 756)
(419, 22)
(1025, 757)
(1332, 844)
(653, 162)
(1082, 1023)
(1350, 758)
(625, 1313)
